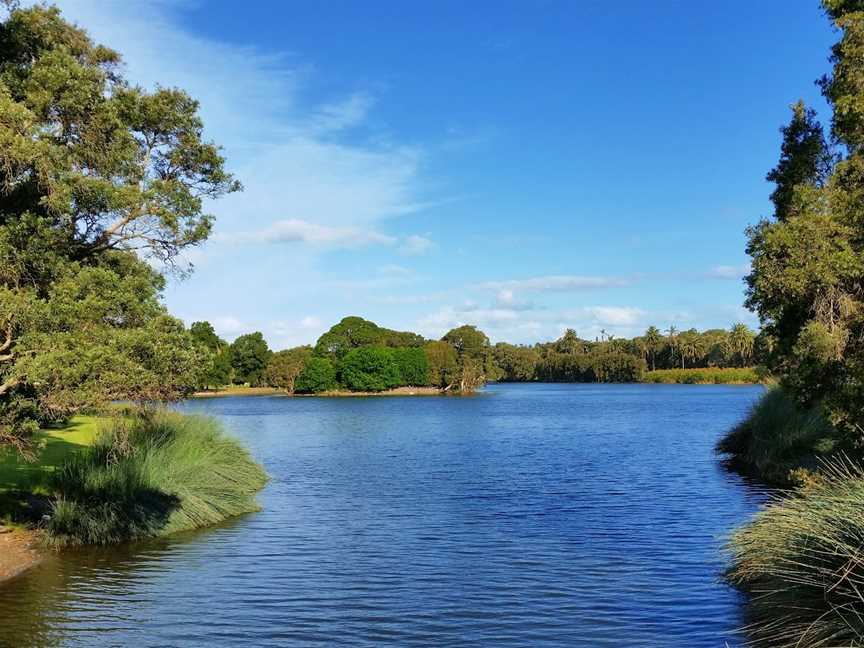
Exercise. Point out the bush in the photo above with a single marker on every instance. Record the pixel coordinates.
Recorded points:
(705, 376)
(152, 475)
(801, 560)
(369, 369)
(778, 439)
(318, 375)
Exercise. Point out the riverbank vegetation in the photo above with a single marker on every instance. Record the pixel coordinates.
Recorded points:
(102, 188)
(800, 558)
(357, 355)
(153, 474)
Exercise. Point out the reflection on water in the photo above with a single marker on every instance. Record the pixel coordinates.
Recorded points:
(572, 515)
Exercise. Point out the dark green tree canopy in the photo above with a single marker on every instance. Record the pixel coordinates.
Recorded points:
(356, 332)
(249, 358)
(369, 369)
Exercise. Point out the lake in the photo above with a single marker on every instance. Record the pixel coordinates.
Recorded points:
(527, 515)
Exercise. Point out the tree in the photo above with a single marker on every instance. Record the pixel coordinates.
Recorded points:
(516, 363)
(249, 357)
(113, 165)
(369, 369)
(741, 341)
(318, 375)
(92, 171)
(807, 277)
(443, 364)
(413, 366)
(474, 353)
(285, 366)
(690, 346)
(653, 342)
(805, 160)
(217, 371)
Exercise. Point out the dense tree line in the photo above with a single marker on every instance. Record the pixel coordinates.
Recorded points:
(358, 355)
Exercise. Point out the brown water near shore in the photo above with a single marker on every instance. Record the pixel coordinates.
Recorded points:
(19, 551)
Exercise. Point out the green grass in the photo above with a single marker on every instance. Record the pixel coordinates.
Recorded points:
(150, 476)
(801, 560)
(23, 482)
(709, 376)
(779, 442)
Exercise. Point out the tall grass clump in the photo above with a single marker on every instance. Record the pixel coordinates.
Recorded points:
(705, 376)
(154, 474)
(802, 561)
(779, 441)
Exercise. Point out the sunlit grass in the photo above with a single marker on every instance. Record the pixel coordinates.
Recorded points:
(704, 376)
(152, 475)
(802, 561)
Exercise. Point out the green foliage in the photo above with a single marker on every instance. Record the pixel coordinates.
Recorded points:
(516, 363)
(779, 439)
(154, 475)
(476, 361)
(704, 376)
(369, 369)
(443, 364)
(356, 332)
(801, 560)
(318, 375)
(285, 366)
(91, 168)
(217, 370)
(807, 279)
(249, 357)
(413, 366)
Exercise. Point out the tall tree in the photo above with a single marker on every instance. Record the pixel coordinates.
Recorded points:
(805, 160)
(249, 357)
(94, 172)
(654, 342)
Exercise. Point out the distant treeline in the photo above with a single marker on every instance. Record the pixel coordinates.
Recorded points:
(359, 355)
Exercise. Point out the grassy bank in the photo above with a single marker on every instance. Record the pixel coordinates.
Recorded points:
(21, 481)
(709, 376)
(801, 561)
(151, 476)
(778, 442)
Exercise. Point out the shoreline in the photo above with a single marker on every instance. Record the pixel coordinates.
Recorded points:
(19, 552)
(270, 391)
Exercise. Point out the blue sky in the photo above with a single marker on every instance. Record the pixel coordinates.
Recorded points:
(523, 166)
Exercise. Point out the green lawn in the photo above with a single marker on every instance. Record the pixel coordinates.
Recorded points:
(55, 446)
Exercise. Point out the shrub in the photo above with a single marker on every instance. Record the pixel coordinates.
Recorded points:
(801, 560)
(152, 475)
(369, 369)
(778, 437)
(318, 375)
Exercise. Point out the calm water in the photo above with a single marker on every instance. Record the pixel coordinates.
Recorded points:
(530, 515)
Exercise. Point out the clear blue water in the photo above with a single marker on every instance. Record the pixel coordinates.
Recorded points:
(529, 515)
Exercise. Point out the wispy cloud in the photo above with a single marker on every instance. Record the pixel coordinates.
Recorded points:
(299, 231)
(415, 245)
(557, 283)
(729, 271)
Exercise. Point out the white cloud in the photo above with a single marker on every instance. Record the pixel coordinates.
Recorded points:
(299, 231)
(415, 245)
(729, 271)
(616, 315)
(557, 283)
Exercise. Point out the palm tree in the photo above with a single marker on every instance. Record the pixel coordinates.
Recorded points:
(741, 342)
(673, 341)
(653, 341)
